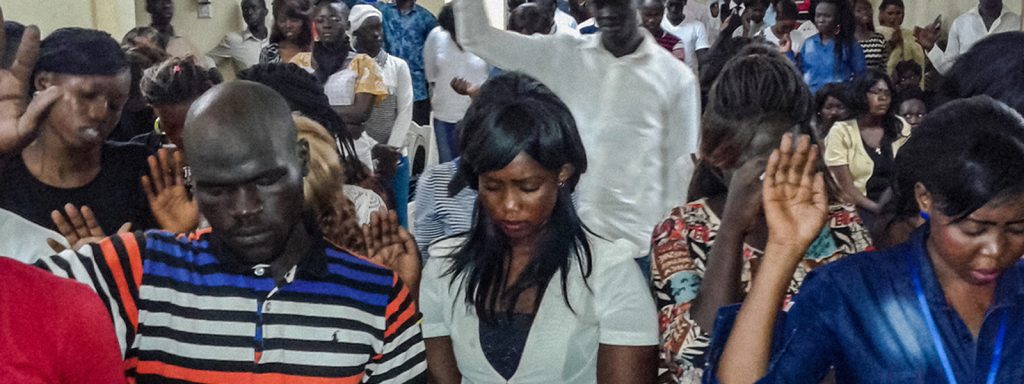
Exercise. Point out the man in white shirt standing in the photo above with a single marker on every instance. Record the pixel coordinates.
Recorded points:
(242, 48)
(989, 17)
(637, 108)
(692, 33)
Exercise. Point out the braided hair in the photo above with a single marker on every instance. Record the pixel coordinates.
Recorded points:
(306, 95)
(323, 195)
(176, 80)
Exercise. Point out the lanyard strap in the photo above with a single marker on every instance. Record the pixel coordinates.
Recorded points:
(933, 329)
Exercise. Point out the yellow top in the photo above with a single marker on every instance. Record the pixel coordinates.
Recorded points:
(369, 78)
(844, 146)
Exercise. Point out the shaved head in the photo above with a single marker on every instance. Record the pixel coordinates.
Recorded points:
(247, 166)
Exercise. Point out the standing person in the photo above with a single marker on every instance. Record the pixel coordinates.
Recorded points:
(692, 33)
(444, 61)
(833, 55)
(651, 14)
(243, 48)
(161, 12)
(988, 18)
(860, 152)
(752, 19)
(263, 265)
(529, 294)
(618, 64)
(783, 32)
(391, 118)
(406, 26)
(62, 157)
(561, 22)
(943, 307)
(291, 34)
(901, 42)
(708, 249)
(876, 52)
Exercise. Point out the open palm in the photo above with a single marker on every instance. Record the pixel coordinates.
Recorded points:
(172, 207)
(20, 119)
(795, 202)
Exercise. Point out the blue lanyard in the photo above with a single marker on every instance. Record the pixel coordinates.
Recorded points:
(933, 329)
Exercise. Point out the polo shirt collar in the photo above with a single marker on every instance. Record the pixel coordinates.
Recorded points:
(247, 35)
(312, 267)
(974, 11)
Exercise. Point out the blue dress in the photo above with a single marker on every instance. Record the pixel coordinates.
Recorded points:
(818, 62)
(861, 315)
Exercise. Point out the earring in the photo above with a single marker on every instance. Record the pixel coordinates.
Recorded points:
(925, 216)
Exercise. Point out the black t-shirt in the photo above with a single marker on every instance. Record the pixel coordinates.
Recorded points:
(115, 195)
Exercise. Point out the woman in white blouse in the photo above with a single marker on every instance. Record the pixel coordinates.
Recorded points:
(529, 295)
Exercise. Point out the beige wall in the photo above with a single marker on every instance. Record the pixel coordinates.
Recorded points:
(55, 14)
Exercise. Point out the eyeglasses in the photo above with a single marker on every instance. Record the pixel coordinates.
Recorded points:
(880, 92)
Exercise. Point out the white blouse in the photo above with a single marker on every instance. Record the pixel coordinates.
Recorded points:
(617, 309)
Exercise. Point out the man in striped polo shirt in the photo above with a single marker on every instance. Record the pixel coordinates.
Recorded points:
(260, 297)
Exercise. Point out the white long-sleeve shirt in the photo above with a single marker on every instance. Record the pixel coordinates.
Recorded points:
(638, 116)
(443, 61)
(968, 29)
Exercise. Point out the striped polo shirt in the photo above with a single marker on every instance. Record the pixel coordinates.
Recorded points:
(186, 311)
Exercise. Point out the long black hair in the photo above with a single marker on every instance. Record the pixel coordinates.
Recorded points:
(294, 9)
(516, 114)
(984, 70)
(859, 105)
(966, 154)
(304, 94)
(846, 39)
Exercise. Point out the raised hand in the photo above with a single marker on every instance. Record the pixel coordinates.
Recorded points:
(795, 202)
(168, 196)
(928, 35)
(79, 227)
(20, 119)
(390, 245)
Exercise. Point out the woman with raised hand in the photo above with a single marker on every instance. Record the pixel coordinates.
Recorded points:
(529, 295)
(706, 251)
(942, 307)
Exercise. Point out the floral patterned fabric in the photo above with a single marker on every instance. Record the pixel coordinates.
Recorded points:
(681, 244)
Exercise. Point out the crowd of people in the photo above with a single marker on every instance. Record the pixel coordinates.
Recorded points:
(629, 191)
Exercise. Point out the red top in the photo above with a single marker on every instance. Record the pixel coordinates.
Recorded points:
(54, 330)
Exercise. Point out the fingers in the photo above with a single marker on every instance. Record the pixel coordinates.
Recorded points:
(91, 225)
(28, 52)
(147, 188)
(55, 245)
(179, 169)
(76, 220)
(37, 109)
(125, 228)
(771, 170)
(166, 168)
(795, 171)
(156, 173)
(785, 152)
(63, 226)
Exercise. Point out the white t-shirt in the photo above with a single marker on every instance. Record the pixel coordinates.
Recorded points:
(692, 36)
(444, 61)
(614, 307)
(564, 20)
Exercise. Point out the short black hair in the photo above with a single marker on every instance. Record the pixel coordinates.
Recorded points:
(446, 19)
(981, 142)
(908, 66)
(886, 3)
(787, 10)
(80, 51)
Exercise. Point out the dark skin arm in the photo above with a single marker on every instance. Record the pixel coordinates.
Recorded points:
(702, 55)
(20, 119)
(356, 114)
(620, 364)
(845, 179)
(721, 285)
(441, 365)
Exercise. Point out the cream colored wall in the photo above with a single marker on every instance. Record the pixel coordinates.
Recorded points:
(51, 16)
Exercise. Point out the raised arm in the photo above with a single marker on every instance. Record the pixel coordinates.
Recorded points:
(20, 119)
(533, 55)
(796, 207)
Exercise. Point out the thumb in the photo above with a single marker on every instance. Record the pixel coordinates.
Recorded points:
(125, 228)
